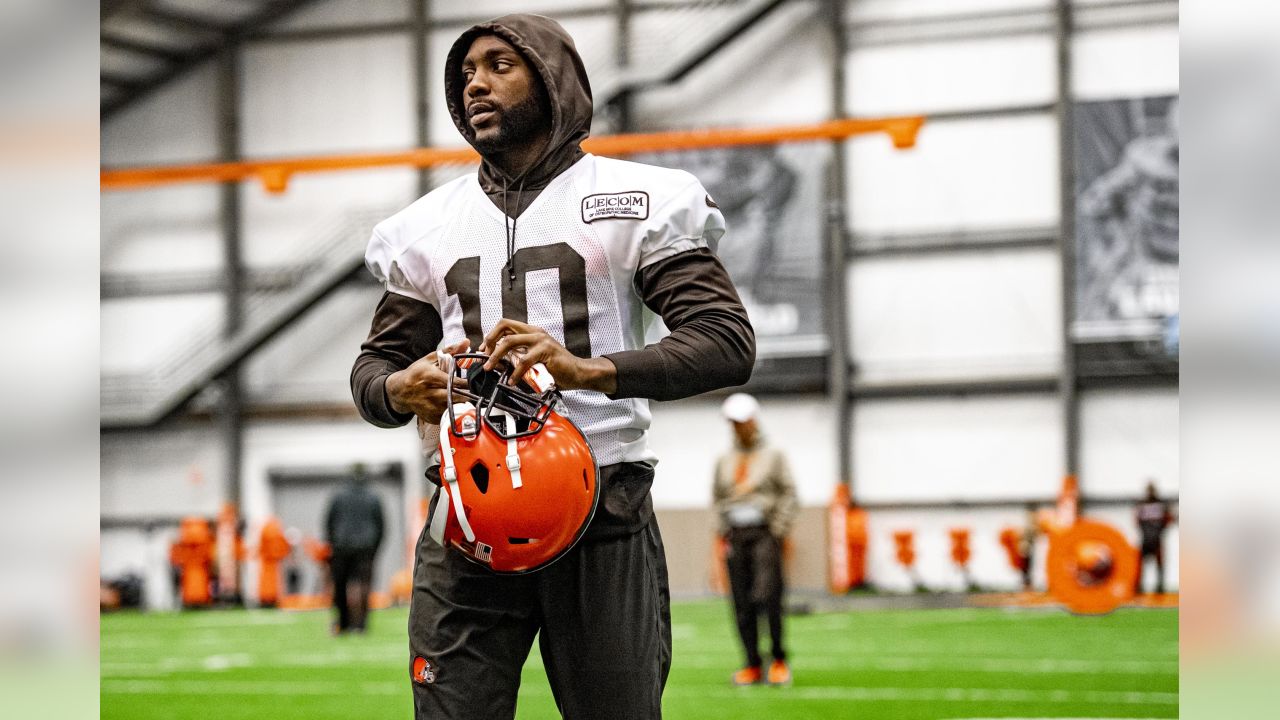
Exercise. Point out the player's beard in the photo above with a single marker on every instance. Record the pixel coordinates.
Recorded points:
(517, 125)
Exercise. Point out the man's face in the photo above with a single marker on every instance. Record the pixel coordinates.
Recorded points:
(502, 96)
(745, 431)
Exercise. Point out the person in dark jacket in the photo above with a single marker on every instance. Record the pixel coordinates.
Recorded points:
(550, 254)
(1153, 517)
(353, 528)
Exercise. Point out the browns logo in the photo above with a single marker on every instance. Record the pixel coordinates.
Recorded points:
(424, 673)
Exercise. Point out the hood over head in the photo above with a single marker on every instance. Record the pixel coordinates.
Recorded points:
(551, 52)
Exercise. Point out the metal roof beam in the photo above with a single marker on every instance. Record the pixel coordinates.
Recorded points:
(223, 34)
(141, 48)
(124, 82)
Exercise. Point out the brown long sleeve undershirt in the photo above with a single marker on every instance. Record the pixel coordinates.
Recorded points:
(711, 344)
(403, 330)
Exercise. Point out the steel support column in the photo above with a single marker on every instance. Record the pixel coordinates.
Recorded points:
(620, 107)
(231, 402)
(419, 11)
(839, 368)
(1070, 402)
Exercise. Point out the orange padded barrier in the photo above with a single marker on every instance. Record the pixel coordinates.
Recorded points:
(906, 543)
(1011, 540)
(273, 548)
(274, 174)
(193, 554)
(960, 546)
(1092, 568)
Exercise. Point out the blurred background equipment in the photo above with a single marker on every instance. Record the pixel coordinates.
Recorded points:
(905, 542)
(955, 226)
(1091, 568)
(192, 559)
(273, 548)
(960, 554)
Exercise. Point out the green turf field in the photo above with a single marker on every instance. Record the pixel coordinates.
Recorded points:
(900, 664)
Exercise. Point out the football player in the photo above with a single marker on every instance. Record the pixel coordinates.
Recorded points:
(550, 255)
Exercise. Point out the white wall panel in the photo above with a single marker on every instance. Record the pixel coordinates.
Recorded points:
(972, 314)
(962, 448)
(494, 8)
(336, 13)
(778, 73)
(863, 10)
(311, 360)
(138, 333)
(690, 435)
(166, 228)
(1127, 438)
(1131, 62)
(322, 97)
(283, 229)
(162, 472)
(918, 78)
(960, 175)
(178, 123)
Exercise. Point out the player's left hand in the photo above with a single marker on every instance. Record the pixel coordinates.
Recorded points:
(528, 344)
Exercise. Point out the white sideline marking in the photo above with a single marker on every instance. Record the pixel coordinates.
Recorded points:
(966, 664)
(1034, 697)
(812, 693)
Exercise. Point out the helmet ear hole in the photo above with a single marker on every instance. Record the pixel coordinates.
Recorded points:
(480, 476)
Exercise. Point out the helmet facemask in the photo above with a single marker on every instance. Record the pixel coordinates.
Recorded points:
(519, 483)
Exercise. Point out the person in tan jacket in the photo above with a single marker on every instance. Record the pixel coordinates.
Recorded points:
(755, 499)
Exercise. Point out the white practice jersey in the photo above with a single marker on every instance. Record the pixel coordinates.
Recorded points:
(579, 246)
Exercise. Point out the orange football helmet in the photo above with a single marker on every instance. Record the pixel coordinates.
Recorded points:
(518, 480)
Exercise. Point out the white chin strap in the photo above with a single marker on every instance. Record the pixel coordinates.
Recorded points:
(449, 485)
(513, 456)
(449, 471)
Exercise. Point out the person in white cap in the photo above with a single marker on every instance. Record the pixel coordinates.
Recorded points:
(755, 498)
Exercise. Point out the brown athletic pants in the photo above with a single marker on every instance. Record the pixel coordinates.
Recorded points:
(601, 614)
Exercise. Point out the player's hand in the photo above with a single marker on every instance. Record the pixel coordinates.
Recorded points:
(422, 388)
(527, 344)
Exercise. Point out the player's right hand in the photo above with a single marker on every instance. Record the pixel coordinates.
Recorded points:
(422, 388)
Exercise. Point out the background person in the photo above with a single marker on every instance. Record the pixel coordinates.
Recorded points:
(755, 498)
(353, 527)
(1153, 517)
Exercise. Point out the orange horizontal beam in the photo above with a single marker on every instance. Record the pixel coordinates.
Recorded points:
(275, 173)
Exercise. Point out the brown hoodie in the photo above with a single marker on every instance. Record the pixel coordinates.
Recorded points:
(551, 52)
